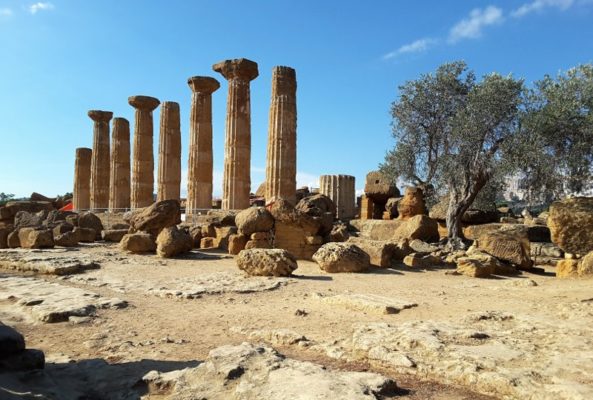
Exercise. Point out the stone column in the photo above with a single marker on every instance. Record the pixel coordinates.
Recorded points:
(81, 195)
(199, 180)
(119, 187)
(143, 157)
(100, 159)
(341, 189)
(237, 149)
(281, 155)
(169, 174)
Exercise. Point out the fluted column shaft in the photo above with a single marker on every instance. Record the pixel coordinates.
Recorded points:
(100, 159)
(341, 189)
(143, 158)
(200, 164)
(81, 195)
(237, 152)
(281, 153)
(169, 174)
(119, 187)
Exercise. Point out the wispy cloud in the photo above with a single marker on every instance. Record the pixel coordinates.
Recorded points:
(40, 6)
(5, 12)
(539, 5)
(472, 26)
(416, 46)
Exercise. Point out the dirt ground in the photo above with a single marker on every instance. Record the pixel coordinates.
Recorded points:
(175, 331)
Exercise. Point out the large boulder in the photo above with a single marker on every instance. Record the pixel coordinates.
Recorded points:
(391, 206)
(173, 241)
(339, 233)
(292, 229)
(411, 204)
(381, 252)
(85, 235)
(237, 243)
(113, 235)
(418, 227)
(254, 219)
(266, 262)
(67, 239)
(11, 208)
(586, 266)
(476, 267)
(89, 220)
(321, 208)
(154, 218)
(571, 224)
(342, 257)
(507, 246)
(11, 341)
(139, 242)
(32, 238)
(25, 219)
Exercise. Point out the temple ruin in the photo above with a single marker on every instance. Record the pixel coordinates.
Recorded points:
(119, 186)
(341, 189)
(169, 173)
(81, 195)
(100, 159)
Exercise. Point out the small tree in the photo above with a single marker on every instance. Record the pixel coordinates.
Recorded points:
(452, 132)
(5, 198)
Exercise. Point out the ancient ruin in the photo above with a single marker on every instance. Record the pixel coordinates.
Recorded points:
(199, 179)
(341, 189)
(169, 172)
(237, 151)
(81, 195)
(282, 137)
(119, 186)
(100, 159)
(142, 157)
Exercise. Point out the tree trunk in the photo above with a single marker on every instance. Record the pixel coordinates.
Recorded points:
(455, 211)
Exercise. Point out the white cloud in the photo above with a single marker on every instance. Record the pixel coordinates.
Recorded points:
(5, 12)
(307, 179)
(472, 26)
(538, 5)
(40, 6)
(416, 46)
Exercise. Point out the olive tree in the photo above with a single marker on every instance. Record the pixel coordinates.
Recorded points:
(452, 131)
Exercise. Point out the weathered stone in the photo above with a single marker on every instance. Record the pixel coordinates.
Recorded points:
(67, 239)
(567, 268)
(254, 219)
(56, 217)
(258, 244)
(62, 227)
(143, 159)
(156, 217)
(367, 208)
(339, 233)
(25, 219)
(314, 240)
(90, 220)
(341, 257)
(11, 341)
(199, 183)
(585, 268)
(546, 250)
(169, 171)
(50, 262)
(571, 224)
(341, 190)
(420, 246)
(196, 233)
(472, 216)
(260, 236)
(381, 253)
(507, 246)
(369, 303)
(237, 243)
(237, 160)
(25, 360)
(85, 235)
(10, 209)
(262, 373)
(476, 267)
(420, 260)
(4, 232)
(266, 262)
(81, 195)
(379, 189)
(100, 159)
(223, 233)
(139, 242)
(391, 207)
(282, 137)
(292, 228)
(316, 206)
(173, 241)
(12, 240)
(113, 235)
(207, 242)
(31, 238)
(375, 229)
(418, 227)
(411, 204)
(119, 182)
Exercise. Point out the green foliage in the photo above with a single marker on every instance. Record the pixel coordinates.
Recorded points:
(5, 198)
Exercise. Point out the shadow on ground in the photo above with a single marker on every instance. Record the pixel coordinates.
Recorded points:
(93, 379)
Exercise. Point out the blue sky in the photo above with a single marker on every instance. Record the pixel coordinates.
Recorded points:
(61, 58)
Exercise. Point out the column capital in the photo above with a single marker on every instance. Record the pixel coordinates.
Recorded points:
(203, 84)
(100, 116)
(146, 103)
(240, 68)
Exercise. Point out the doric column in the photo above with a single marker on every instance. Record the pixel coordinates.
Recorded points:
(281, 156)
(341, 189)
(119, 187)
(169, 174)
(81, 195)
(237, 148)
(100, 159)
(199, 179)
(143, 157)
